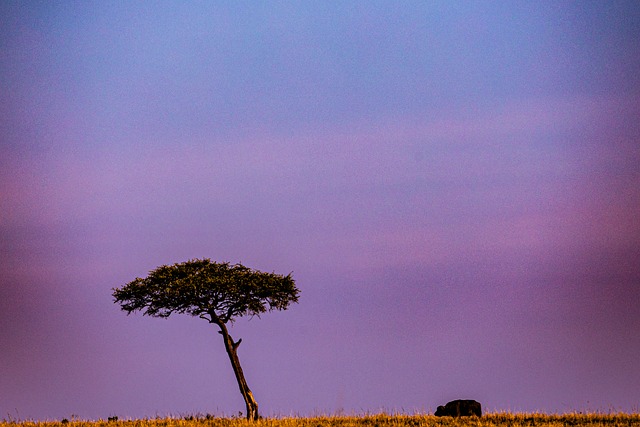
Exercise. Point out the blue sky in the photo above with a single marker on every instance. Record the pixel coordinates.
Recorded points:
(455, 187)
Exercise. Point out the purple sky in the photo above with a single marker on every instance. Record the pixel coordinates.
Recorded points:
(455, 186)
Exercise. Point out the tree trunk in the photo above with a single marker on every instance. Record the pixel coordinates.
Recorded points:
(232, 347)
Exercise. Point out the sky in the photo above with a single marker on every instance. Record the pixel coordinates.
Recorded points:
(454, 186)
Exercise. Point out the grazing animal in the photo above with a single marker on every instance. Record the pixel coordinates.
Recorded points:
(460, 408)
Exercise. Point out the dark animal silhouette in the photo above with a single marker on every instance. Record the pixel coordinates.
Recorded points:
(460, 408)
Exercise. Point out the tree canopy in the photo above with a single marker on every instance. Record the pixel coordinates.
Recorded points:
(218, 292)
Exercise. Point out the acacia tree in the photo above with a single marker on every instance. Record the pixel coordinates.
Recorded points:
(216, 292)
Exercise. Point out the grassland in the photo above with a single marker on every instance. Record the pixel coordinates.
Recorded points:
(381, 420)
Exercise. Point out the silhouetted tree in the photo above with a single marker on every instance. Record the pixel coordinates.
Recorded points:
(216, 292)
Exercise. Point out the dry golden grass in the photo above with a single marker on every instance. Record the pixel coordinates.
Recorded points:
(381, 420)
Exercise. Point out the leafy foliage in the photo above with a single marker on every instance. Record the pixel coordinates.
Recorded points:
(217, 292)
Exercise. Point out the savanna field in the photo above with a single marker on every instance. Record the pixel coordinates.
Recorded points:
(381, 420)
